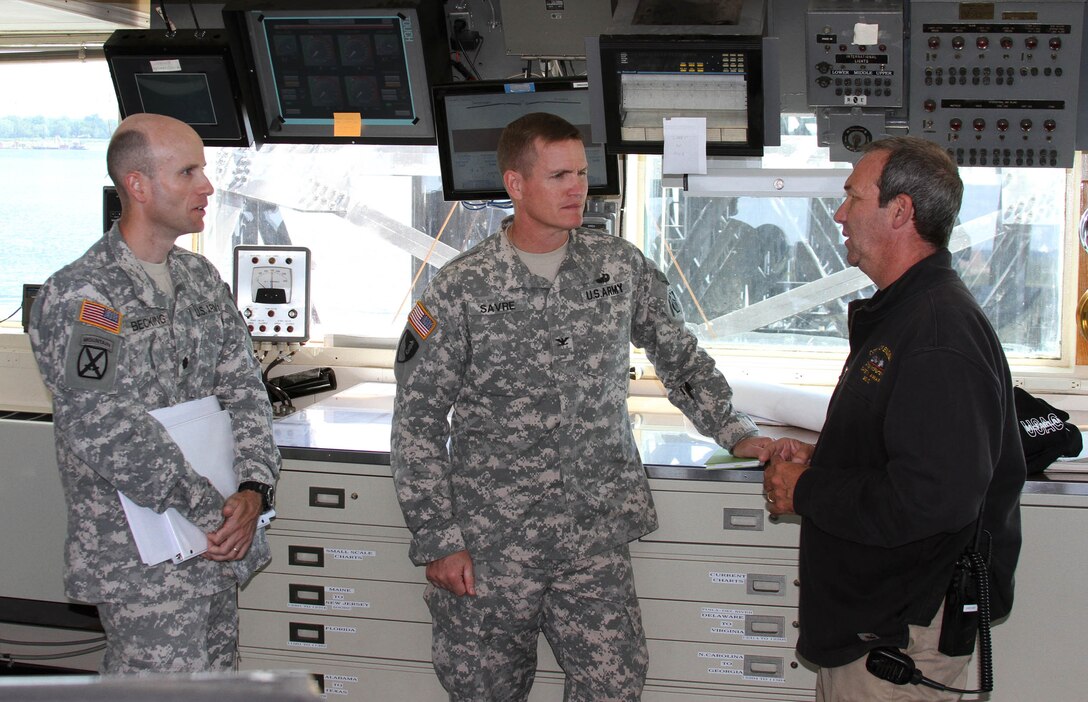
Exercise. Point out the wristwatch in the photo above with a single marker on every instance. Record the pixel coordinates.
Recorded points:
(267, 492)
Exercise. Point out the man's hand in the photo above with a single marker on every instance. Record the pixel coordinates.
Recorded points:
(231, 541)
(454, 573)
(767, 449)
(779, 480)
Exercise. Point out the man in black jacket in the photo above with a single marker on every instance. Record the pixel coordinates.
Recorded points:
(920, 438)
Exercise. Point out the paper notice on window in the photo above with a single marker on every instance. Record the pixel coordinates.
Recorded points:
(685, 145)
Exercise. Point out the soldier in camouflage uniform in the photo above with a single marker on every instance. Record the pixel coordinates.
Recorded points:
(133, 325)
(523, 520)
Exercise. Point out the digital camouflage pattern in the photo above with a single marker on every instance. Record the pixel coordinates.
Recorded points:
(541, 463)
(193, 635)
(111, 346)
(484, 647)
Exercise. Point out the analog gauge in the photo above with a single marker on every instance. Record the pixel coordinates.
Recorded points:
(272, 291)
(271, 285)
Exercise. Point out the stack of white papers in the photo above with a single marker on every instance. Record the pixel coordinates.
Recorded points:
(203, 433)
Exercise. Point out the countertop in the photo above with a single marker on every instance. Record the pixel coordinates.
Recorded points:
(353, 427)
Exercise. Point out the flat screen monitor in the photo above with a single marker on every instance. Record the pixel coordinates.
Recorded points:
(190, 78)
(471, 115)
(647, 79)
(342, 72)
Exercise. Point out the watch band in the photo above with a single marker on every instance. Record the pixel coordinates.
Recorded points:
(266, 492)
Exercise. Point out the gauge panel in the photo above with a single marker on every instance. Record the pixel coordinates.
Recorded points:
(272, 291)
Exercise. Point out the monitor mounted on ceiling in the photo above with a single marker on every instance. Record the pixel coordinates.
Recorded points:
(190, 78)
(471, 115)
(646, 79)
(333, 71)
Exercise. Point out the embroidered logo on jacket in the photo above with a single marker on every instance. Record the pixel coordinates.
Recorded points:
(873, 370)
(1038, 426)
(609, 290)
(94, 362)
(98, 315)
(497, 307)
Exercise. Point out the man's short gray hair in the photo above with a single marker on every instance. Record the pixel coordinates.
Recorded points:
(924, 171)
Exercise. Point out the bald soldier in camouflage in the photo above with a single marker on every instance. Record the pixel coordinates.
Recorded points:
(523, 522)
(133, 325)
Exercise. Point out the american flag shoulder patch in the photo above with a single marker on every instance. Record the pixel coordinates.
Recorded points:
(421, 320)
(98, 315)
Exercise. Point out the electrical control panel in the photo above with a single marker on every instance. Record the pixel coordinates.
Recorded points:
(854, 56)
(997, 83)
(272, 291)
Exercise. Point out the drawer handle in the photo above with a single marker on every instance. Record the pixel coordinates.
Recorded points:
(763, 666)
(736, 519)
(306, 556)
(306, 633)
(770, 627)
(329, 498)
(767, 585)
(306, 594)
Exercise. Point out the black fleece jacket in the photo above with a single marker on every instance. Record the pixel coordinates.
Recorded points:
(920, 430)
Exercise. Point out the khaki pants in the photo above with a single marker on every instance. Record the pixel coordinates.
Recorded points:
(853, 683)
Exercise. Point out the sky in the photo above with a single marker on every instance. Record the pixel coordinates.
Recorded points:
(57, 89)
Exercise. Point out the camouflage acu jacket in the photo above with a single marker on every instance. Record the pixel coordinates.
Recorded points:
(541, 462)
(111, 346)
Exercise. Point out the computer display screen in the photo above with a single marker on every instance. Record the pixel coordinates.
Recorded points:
(330, 73)
(647, 79)
(186, 96)
(470, 117)
(191, 79)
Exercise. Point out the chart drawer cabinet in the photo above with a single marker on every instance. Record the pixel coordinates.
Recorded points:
(717, 586)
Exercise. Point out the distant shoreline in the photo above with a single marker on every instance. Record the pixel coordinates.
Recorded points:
(51, 143)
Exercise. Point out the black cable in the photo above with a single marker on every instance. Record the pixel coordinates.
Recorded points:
(985, 650)
(897, 667)
(12, 642)
(171, 28)
(468, 58)
(479, 48)
(13, 657)
(12, 314)
(461, 69)
(199, 33)
(279, 392)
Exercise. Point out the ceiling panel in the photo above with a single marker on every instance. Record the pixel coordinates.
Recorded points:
(67, 16)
